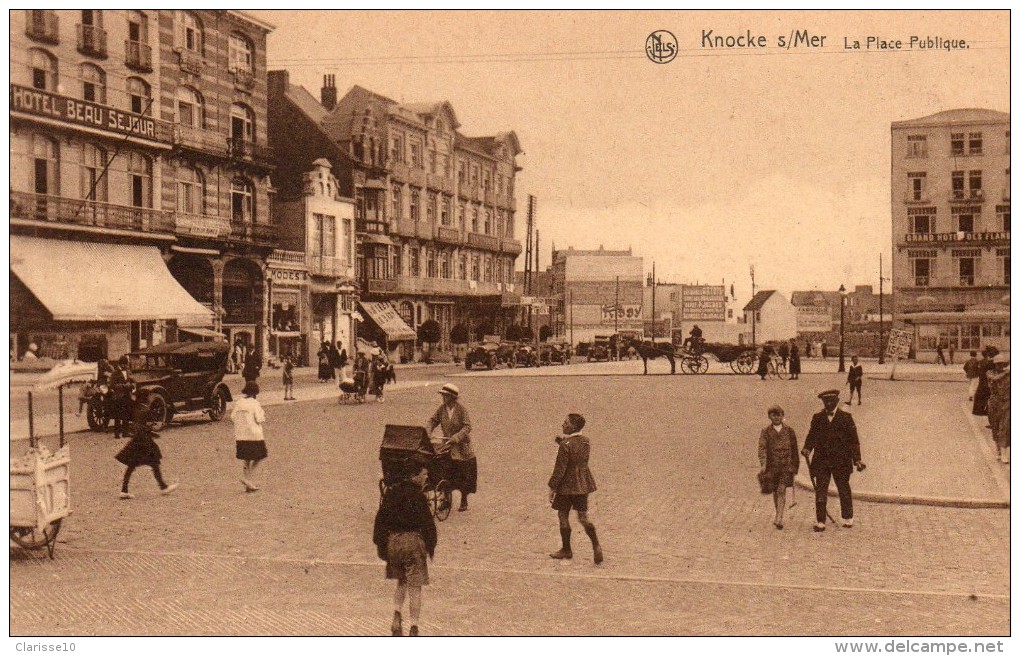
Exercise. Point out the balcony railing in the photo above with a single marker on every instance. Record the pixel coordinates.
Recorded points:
(75, 211)
(483, 241)
(199, 139)
(249, 151)
(448, 234)
(511, 245)
(967, 195)
(915, 197)
(191, 61)
(138, 56)
(202, 225)
(324, 265)
(42, 26)
(380, 285)
(92, 40)
(287, 258)
(243, 79)
(946, 237)
(252, 232)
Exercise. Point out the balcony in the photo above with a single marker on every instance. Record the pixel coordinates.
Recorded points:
(413, 285)
(138, 56)
(191, 61)
(967, 196)
(919, 198)
(511, 245)
(402, 227)
(326, 266)
(42, 26)
(202, 225)
(425, 229)
(487, 242)
(287, 258)
(92, 41)
(75, 211)
(381, 285)
(956, 237)
(259, 233)
(399, 170)
(436, 181)
(448, 235)
(248, 151)
(206, 141)
(489, 197)
(244, 80)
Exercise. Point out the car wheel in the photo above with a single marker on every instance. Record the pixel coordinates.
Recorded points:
(218, 405)
(158, 414)
(95, 415)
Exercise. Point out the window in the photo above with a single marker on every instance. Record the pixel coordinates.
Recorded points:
(348, 241)
(44, 70)
(138, 27)
(474, 218)
(965, 261)
(975, 184)
(242, 124)
(190, 191)
(189, 32)
(462, 211)
(139, 94)
(461, 173)
(958, 185)
(444, 265)
(93, 84)
(1002, 217)
(917, 145)
(487, 181)
(242, 201)
(430, 207)
(92, 17)
(430, 264)
(488, 269)
(921, 220)
(917, 185)
(446, 165)
(922, 267)
(398, 202)
(474, 175)
(397, 148)
(444, 211)
(1003, 255)
(474, 267)
(432, 161)
(190, 108)
(488, 222)
(974, 143)
(407, 313)
(93, 179)
(45, 165)
(416, 161)
(956, 142)
(462, 267)
(413, 262)
(139, 169)
(415, 204)
(241, 54)
(965, 219)
(323, 237)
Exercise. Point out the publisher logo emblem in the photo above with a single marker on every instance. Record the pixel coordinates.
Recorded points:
(661, 46)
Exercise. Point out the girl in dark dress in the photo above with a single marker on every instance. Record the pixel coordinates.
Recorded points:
(794, 361)
(777, 453)
(141, 451)
(983, 391)
(325, 366)
(763, 361)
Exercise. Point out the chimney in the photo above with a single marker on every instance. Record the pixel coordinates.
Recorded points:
(329, 91)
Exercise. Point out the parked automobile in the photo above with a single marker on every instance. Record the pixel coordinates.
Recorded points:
(600, 349)
(483, 354)
(526, 356)
(181, 377)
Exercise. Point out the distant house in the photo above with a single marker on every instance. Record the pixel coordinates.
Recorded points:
(770, 317)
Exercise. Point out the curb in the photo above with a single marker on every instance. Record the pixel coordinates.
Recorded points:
(911, 499)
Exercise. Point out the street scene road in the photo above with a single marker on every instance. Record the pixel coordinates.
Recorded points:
(690, 547)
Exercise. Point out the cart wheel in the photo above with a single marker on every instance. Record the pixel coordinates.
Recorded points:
(702, 364)
(745, 363)
(442, 500)
(95, 415)
(31, 539)
(218, 405)
(685, 365)
(781, 371)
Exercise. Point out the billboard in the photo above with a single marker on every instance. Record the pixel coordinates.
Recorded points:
(704, 303)
(813, 319)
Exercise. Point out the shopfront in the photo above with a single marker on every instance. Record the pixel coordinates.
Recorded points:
(288, 332)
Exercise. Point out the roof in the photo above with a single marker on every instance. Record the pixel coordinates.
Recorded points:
(306, 102)
(759, 299)
(433, 108)
(814, 297)
(952, 116)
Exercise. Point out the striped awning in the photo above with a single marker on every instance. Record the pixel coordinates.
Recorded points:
(92, 281)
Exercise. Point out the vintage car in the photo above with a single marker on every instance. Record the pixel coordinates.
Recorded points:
(600, 349)
(483, 354)
(526, 355)
(181, 377)
(552, 353)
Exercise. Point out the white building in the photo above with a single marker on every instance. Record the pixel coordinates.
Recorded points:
(769, 316)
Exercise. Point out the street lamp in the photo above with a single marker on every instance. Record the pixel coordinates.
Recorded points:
(842, 331)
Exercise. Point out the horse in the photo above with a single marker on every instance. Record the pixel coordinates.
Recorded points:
(649, 349)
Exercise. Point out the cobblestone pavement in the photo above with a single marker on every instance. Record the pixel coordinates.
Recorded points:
(690, 548)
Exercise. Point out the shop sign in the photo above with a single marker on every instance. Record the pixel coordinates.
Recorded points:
(611, 312)
(288, 275)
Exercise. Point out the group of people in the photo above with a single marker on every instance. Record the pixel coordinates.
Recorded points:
(331, 358)
(787, 352)
(369, 374)
(989, 390)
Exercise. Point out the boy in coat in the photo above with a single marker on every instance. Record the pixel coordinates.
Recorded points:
(571, 483)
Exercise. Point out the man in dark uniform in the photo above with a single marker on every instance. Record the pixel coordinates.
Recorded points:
(119, 398)
(837, 450)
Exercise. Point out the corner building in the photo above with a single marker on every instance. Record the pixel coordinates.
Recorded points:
(951, 229)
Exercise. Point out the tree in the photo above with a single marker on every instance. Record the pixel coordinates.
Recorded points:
(484, 328)
(513, 333)
(527, 334)
(459, 334)
(544, 333)
(429, 332)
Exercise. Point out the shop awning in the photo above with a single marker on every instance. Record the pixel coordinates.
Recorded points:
(90, 281)
(389, 321)
(370, 238)
(204, 332)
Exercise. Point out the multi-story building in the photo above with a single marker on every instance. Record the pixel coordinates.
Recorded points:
(598, 292)
(435, 211)
(950, 229)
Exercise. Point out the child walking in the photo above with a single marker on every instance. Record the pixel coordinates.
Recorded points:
(141, 451)
(248, 417)
(288, 379)
(570, 484)
(404, 534)
(777, 452)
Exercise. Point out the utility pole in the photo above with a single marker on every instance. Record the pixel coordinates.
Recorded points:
(881, 313)
(653, 303)
(616, 317)
(571, 319)
(532, 203)
(753, 320)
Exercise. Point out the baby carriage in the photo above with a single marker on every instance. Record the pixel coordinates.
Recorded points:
(398, 445)
(352, 390)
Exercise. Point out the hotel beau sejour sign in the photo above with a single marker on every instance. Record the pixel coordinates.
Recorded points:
(84, 113)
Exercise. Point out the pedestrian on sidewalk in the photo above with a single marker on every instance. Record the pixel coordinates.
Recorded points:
(288, 379)
(764, 357)
(121, 388)
(325, 366)
(453, 418)
(794, 361)
(952, 352)
(982, 392)
(777, 453)
(940, 355)
(404, 534)
(141, 451)
(341, 359)
(248, 417)
(970, 370)
(837, 450)
(571, 483)
(854, 378)
(998, 406)
(252, 365)
(379, 375)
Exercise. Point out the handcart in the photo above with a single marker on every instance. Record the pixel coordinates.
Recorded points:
(399, 444)
(40, 481)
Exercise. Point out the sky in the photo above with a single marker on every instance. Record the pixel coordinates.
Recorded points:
(718, 160)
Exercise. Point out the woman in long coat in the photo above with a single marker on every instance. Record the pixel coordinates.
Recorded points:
(777, 452)
(983, 392)
(763, 361)
(794, 361)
